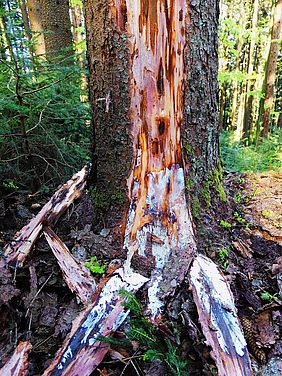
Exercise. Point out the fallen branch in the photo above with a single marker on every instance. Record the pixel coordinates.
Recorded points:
(218, 318)
(18, 363)
(76, 275)
(17, 251)
(83, 350)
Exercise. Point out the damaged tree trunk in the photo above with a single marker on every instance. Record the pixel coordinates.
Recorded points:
(18, 363)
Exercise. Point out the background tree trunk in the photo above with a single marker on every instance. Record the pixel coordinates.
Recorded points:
(271, 68)
(57, 28)
(200, 128)
(35, 21)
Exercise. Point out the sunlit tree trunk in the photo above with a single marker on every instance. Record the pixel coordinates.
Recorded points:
(247, 122)
(270, 73)
(35, 21)
(57, 28)
(140, 117)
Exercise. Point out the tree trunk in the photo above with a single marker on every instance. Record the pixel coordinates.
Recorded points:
(200, 126)
(247, 122)
(35, 20)
(155, 126)
(271, 68)
(57, 29)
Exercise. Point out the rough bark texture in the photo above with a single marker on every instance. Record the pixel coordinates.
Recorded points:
(200, 127)
(109, 94)
(35, 20)
(270, 74)
(57, 28)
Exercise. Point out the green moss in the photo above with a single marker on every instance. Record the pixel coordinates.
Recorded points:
(196, 207)
(189, 183)
(205, 193)
(102, 202)
(215, 179)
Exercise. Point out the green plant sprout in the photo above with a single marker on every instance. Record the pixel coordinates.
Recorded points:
(267, 214)
(267, 296)
(225, 224)
(94, 266)
(222, 257)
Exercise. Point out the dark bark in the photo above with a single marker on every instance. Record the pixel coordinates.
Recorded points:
(108, 56)
(57, 28)
(200, 128)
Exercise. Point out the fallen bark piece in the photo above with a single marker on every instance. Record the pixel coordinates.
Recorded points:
(18, 363)
(76, 275)
(83, 350)
(218, 318)
(17, 251)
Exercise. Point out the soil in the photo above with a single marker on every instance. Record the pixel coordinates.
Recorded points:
(243, 236)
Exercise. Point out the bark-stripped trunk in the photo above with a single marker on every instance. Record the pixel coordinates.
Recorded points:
(57, 28)
(35, 21)
(18, 363)
(270, 74)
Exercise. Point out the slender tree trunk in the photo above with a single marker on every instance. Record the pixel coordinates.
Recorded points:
(247, 122)
(57, 28)
(35, 21)
(271, 68)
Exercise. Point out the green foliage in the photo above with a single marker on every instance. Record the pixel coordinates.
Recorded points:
(45, 132)
(239, 219)
(10, 185)
(148, 337)
(94, 266)
(267, 214)
(265, 156)
(225, 224)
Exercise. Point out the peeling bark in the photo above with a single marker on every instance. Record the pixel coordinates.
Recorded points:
(82, 350)
(159, 225)
(18, 363)
(218, 317)
(17, 251)
(76, 275)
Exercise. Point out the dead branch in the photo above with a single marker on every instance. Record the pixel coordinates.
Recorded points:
(17, 251)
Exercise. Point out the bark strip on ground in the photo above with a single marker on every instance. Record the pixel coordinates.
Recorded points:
(218, 318)
(18, 363)
(75, 273)
(83, 350)
(17, 251)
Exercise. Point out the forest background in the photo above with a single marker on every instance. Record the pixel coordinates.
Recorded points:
(45, 123)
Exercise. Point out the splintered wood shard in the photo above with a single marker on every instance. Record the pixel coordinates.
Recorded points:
(17, 251)
(218, 317)
(83, 350)
(159, 223)
(76, 275)
(18, 363)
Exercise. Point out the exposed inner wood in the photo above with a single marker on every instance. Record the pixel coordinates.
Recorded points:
(158, 219)
(18, 363)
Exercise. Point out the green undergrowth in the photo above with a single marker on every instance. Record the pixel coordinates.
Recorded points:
(264, 156)
(153, 345)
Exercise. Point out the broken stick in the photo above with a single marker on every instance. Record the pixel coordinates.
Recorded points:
(17, 251)
(76, 275)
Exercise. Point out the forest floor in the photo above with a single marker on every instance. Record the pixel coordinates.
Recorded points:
(244, 237)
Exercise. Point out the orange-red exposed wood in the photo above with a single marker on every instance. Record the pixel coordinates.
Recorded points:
(158, 209)
(17, 251)
(76, 275)
(18, 363)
